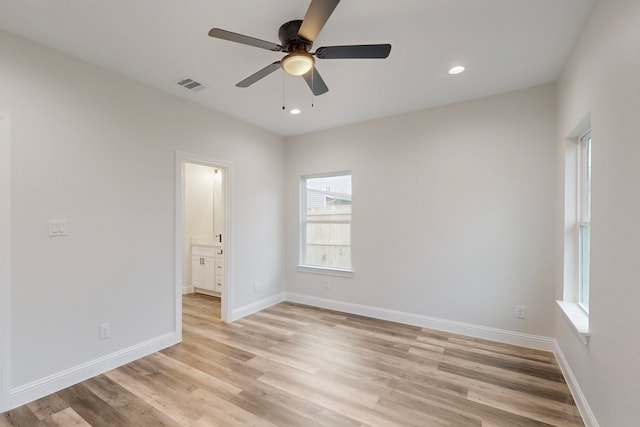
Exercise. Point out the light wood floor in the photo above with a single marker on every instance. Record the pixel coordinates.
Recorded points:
(293, 365)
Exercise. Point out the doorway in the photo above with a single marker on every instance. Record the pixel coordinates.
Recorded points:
(202, 231)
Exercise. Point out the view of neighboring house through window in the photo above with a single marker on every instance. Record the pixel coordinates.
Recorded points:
(584, 219)
(326, 221)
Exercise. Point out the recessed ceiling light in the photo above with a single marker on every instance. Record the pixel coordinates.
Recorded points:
(456, 70)
(295, 111)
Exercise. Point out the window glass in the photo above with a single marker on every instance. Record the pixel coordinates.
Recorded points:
(326, 221)
(584, 221)
(584, 265)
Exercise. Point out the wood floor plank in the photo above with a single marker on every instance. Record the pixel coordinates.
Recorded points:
(513, 383)
(90, 407)
(226, 411)
(69, 418)
(302, 410)
(306, 382)
(485, 347)
(21, 417)
(181, 414)
(132, 407)
(429, 413)
(526, 405)
(295, 365)
(536, 369)
(235, 378)
(202, 379)
(47, 406)
(364, 414)
(417, 396)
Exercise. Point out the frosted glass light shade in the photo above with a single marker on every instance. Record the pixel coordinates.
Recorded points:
(298, 63)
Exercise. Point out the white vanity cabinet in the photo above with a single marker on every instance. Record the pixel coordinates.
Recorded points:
(203, 269)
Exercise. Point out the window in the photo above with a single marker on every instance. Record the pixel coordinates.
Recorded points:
(577, 226)
(584, 219)
(325, 225)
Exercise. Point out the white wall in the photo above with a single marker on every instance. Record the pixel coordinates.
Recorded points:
(218, 203)
(5, 257)
(98, 150)
(199, 182)
(603, 78)
(453, 211)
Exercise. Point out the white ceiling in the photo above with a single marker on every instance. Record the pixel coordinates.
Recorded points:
(505, 44)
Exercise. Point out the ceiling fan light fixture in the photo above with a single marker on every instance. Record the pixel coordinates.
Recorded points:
(298, 63)
(456, 70)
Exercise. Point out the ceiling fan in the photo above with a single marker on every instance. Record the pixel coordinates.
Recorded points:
(297, 37)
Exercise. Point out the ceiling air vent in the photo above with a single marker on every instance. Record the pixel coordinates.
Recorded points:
(191, 84)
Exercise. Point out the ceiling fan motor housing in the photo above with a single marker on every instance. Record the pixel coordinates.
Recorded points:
(289, 38)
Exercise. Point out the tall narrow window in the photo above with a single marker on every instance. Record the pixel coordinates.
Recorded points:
(577, 225)
(584, 219)
(325, 231)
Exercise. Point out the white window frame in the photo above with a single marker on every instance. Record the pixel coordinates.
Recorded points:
(576, 217)
(583, 210)
(302, 265)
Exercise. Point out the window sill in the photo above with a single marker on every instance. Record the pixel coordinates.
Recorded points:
(578, 319)
(325, 270)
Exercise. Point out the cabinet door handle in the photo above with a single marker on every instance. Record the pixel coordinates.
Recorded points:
(201, 261)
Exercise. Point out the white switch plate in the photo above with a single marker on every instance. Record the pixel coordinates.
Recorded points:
(57, 227)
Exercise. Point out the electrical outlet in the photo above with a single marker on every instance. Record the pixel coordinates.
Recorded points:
(104, 331)
(327, 284)
(520, 311)
(256, 287)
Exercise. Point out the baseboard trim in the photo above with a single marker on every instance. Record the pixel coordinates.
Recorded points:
(257, 306)
(45, 386)
(576, 391)
(468, 329)
(187, 290)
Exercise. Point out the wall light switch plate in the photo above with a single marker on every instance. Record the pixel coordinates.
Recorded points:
(57, 227)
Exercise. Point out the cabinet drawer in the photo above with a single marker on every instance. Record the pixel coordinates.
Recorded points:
(202, 251)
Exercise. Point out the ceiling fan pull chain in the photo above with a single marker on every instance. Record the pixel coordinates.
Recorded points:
(283, 92)
(313, 70)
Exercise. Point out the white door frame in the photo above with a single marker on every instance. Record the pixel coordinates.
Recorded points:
(226, 169)
(5, 263)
